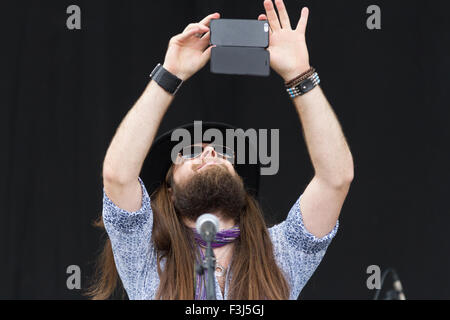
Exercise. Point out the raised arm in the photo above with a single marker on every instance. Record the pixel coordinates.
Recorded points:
(322, 200)
(324, 196)
(186, 54)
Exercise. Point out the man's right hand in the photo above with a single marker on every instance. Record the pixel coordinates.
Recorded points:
(187, 53)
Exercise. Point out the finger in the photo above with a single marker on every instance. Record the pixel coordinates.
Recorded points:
(204, 41)
(303, 21)
(190, 26)
(191, 32)
(272, 15)
(206, 36)
(205, 21)
(282, 12)
(194, 25)
(263, 17)
(206, 55)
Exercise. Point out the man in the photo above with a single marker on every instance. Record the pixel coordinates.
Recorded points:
(151, 233)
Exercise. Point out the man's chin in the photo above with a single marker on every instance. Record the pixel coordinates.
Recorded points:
(213, 189)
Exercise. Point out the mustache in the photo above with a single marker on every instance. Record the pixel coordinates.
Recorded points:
(198, 166)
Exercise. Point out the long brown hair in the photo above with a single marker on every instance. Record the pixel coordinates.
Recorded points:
(255, 272)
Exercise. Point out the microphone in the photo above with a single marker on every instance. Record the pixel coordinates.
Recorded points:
(398, 286)
(397, 292)
(207, 226)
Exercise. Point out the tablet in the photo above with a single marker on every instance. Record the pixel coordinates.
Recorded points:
(240, 60)
(239, 33)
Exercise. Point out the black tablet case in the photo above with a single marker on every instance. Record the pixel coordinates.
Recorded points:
(240, 61)
(240, 47)
(239, 33)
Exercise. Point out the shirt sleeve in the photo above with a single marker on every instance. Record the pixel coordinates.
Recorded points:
(130, 234)
(297, 251)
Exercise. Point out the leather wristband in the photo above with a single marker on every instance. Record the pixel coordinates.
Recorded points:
(300, 78)
(166, 80)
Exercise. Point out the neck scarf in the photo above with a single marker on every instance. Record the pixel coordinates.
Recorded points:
(222, 238)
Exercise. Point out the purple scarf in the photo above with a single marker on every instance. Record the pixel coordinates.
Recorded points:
(222, 238)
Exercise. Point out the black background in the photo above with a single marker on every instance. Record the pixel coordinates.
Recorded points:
(64, 93)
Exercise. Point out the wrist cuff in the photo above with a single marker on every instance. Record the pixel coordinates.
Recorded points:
(168, 81)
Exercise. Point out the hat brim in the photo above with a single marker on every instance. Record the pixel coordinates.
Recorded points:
(158, 160)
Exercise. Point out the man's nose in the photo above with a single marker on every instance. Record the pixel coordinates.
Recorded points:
(209, 152)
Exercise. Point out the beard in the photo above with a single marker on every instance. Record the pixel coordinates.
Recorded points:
(211, 190)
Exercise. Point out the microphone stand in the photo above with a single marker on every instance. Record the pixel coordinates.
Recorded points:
(208, 264)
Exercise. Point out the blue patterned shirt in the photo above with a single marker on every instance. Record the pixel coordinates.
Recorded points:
(297, 252)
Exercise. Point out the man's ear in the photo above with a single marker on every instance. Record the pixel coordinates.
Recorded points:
(170, 193)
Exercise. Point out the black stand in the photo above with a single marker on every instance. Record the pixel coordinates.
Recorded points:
(208, 264)
(394, 294)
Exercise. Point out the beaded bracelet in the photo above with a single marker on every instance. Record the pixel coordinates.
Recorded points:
(304, 86)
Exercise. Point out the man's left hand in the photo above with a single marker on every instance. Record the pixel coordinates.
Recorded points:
(287, 47)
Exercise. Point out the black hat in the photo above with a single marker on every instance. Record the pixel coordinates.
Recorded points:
(159, 159)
